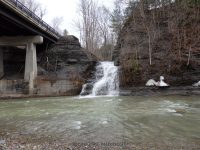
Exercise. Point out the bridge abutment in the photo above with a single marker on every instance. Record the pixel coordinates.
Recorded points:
(1, 64)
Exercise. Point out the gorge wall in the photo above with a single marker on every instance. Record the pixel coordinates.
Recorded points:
(160, 41)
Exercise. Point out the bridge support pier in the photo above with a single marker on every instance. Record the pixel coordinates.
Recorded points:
(30, 72)
(31, 62)
(1, 64)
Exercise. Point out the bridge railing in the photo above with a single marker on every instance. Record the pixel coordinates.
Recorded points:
(31, 14)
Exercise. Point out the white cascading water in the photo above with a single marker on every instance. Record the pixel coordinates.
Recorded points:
(106, 80)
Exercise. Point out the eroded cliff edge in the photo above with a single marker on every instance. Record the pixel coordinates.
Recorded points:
(170, 35)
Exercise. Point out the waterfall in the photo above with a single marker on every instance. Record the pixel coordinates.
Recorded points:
(106, 81)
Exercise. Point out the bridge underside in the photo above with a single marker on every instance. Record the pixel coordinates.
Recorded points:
(10, 28)
(29, 42)
(21, 27)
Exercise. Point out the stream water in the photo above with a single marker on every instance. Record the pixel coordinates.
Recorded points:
(167, 120)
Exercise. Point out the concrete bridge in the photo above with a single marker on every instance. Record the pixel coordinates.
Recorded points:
(21, 27)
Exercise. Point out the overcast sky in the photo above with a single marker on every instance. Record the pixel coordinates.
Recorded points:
(68, 9)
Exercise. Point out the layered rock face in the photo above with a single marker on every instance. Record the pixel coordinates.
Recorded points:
(64, 68)
(165, 42)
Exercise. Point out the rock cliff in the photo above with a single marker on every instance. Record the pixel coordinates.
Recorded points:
(65, 66)
(164, 42)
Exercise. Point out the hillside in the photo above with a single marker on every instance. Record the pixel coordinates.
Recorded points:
(160, 41)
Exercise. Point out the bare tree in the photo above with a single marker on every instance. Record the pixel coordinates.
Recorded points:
(35, 7)
(94, 28)
(106, 34)
(42, 12)
(56, 23)
(88, 24)
(104, 23)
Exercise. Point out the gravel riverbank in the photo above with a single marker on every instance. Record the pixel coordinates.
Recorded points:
(34, 142)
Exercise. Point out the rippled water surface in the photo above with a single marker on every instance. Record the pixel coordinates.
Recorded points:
(174, 120)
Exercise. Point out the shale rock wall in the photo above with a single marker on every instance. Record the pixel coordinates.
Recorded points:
(172, 39)
(63, 68)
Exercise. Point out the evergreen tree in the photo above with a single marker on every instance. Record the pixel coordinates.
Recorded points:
(132, 4)
(117, 18)
(65, 32)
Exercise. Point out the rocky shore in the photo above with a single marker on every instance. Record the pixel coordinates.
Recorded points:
(157, 91)
(128, 91)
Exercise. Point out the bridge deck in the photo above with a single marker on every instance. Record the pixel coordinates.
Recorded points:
(16, 19)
